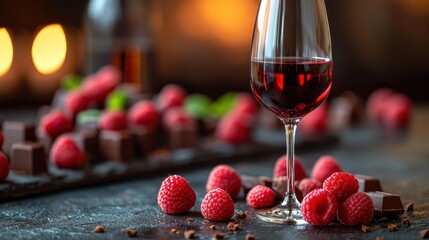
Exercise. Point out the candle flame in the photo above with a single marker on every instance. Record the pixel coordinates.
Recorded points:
(49, 49)
(6, 50)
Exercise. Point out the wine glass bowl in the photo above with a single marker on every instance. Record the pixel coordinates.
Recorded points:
(291, 75)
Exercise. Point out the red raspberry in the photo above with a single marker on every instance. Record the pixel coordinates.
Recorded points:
(324, 167)
(375, 103)
(357, 209)
(113, 120)
(66, 153)
(76, 101)
(4, 167)
(56, 123)
(217, 205)
(315, 122)
(171, 95)
(245, 103)
(396, 113)
(260, 197)
(99, 85)
(233, 129)
(226, 178)
(280, 168)
(176, 195)
(110, 76)
(319, 207)
(307, 185)
(342, 185)
(144, 114)
(176, 117)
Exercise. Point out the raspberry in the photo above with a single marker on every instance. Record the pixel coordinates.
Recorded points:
(280, 168)
(245, 103)
(99, 85)
(176, 195)
(65, 153)
(226, 178)
(357, 209)
(171, 95)
(144, 114)
(233, 129)
(176, 116)
(375, 103)
(319, 207)
(396, 113)
(307, 185)
(56, 123)
(75, 102)
(217, 205)
(4, 166)
(261, 197)
(315, 122)
(113, 120)
(342, 185)
(324, 167)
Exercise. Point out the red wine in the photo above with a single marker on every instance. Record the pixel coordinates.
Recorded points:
(291, 87)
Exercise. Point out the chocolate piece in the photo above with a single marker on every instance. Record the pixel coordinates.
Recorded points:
(116, 145)
(424, 233)
(88, 142)
(241, 215)
(183, 136)
(406, 222)
(145, 141)
(250, 236)
(409, 207)
(28, 158)
(189, 234)
(45, 139)
(98, 229)
(232, 226)
(174, 230)
(279, 186)
(368, 183)
(386, 204)
(131, 232)
(365, 228)
(392, 227)
(15, 132)
(248, 182)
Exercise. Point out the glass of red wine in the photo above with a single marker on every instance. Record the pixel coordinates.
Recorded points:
(291, 75)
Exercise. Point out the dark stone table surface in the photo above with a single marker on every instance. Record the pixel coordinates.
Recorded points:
(399, 160)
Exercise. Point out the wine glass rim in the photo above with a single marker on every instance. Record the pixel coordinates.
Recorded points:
(280, 59)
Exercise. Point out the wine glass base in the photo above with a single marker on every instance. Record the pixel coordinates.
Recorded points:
(281, 215)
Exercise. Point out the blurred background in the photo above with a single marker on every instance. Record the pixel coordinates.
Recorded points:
(203, 45)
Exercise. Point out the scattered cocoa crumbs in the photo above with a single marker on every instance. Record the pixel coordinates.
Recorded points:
(250, 236)
(189, 219)
(409, 207)
(218, 235)
(392, 227)
(213, 227)
(366, 228)
(232, 226)
(379, 238)
(383, 219)
(131, 232)
(175, 230)
(406, 222)
(98, 229)
(424, 233)
(189, 234)
(241, 215)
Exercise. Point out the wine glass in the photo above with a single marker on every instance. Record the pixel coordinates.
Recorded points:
(291, 75)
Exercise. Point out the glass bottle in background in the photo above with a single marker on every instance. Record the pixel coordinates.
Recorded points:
(118, 32)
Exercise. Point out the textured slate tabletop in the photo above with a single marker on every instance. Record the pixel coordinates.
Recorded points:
(400, 162)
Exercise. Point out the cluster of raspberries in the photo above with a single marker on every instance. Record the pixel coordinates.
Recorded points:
(329, 194)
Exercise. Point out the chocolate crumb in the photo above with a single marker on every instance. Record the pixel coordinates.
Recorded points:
(383, 219)
(98, 229)
(218, 235)
(241, 215)
(366, 228)
(232, 226)
(379, 238)
(409, 207)
(392, 227)
(213, 227)
(189, 219)
(424, 233)
(406, 222)
(174, 230)
(131, 232)
(189, 234)
(250, 236)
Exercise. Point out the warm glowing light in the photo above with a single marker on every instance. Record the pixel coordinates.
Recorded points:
(49, 49)
(6, 51)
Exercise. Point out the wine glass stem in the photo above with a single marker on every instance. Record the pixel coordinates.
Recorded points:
(290, 127)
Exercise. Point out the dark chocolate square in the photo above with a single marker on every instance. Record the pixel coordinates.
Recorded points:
(116, 146)
(145, 140)
(183, 137)
(15, 132)
(368, 183)
(28, 158)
